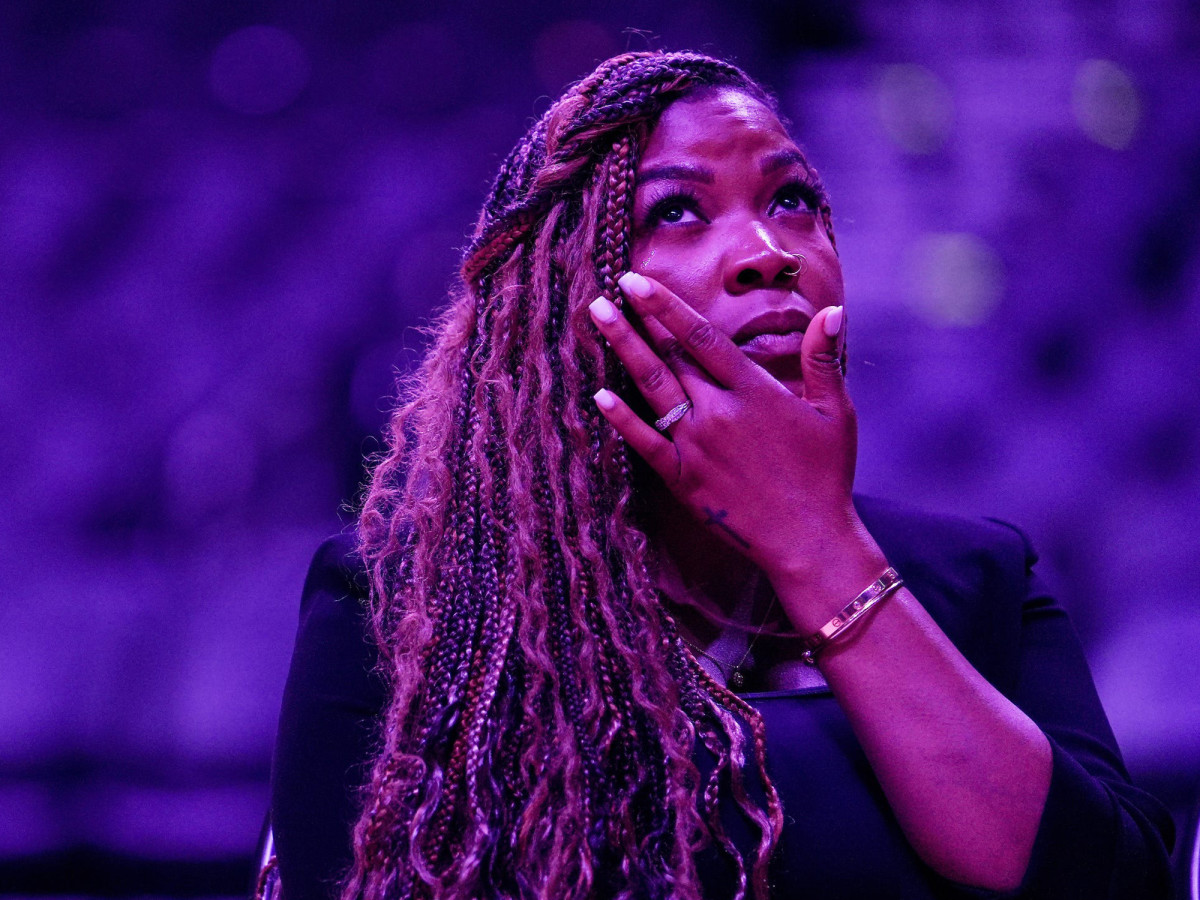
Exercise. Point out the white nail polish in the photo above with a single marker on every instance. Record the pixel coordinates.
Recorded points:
(603, 310)
(635, 284)
(833, 321)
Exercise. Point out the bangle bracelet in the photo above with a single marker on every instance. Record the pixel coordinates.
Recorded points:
(877, 591)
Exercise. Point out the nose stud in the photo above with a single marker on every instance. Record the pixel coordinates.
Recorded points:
(791, 271)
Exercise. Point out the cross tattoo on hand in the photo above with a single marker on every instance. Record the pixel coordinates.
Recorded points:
(716, 517)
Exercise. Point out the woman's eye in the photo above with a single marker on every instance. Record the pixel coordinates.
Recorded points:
(677, 210)
(795, 198)
(673, 213)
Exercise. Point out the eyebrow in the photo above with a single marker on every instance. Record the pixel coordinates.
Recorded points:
(770, 164)
(675, 173)
(783, 158)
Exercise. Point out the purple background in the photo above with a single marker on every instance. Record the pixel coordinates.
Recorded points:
(220, 223)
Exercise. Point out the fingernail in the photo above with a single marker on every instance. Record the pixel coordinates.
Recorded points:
(635, 284)
(833, 321)
(603, 310)
(605, 399)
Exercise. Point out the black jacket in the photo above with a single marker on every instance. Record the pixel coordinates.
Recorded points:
(1100, 837)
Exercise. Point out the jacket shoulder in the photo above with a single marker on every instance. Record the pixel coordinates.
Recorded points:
(922, 538)
(337, 571)
(973, 576)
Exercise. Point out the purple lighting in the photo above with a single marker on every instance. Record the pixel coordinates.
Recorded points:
(258, 70)
(222, 225)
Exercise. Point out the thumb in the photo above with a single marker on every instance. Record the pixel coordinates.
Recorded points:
(821, 359)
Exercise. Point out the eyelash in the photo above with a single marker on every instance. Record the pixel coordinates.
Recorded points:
(808, 195)
(671, 198)
(806, 192)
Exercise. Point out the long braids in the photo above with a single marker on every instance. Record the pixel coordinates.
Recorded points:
(544, 710)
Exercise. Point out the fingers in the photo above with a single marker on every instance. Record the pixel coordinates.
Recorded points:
(663, 341)
(713, 351)
(653, 379)
(651, 375)
(651, 446)
(821, 360)
(671, 352)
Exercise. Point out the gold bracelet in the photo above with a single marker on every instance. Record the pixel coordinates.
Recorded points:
(877, 591)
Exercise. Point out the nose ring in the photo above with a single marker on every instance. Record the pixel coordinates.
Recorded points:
(792, 271)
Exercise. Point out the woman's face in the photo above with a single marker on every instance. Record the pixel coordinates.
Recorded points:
(725, 213)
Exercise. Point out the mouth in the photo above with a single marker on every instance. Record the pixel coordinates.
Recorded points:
(776, 332)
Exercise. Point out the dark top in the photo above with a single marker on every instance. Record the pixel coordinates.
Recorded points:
(1099, 837)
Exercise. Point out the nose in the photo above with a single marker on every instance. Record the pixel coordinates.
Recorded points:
(758, 260)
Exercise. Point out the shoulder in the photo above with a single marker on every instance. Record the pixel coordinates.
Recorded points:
(931, 544)
(334, 603)
(917, 534)
(338, 558)
(334, 653)
(336, 572)
(328, 722)
(973, 576)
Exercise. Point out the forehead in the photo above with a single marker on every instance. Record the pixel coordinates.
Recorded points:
(714, 123)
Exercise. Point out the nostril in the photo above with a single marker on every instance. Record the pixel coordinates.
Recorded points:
(747, 277)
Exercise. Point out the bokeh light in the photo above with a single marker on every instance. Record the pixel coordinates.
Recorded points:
(1106, 103)
(915, 108)
(957, 279)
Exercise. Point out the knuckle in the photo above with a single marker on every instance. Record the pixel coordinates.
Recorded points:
(671, 350)
(656, 378)
(722, 418)
(701, 335)
(828, 359)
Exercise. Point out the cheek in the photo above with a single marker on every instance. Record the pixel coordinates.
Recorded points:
(681, 270)
(640, 255)
(823, 282)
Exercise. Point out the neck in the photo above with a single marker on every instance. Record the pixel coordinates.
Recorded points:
(723, 604)
(707, 582)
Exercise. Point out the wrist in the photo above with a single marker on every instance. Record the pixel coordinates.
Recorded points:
(863, 604)
(814, 586)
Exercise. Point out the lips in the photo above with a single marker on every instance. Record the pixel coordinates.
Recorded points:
(790, 322)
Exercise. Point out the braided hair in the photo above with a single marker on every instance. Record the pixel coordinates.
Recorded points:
(544, 711)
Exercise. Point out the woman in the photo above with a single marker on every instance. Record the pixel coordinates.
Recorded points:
(593, 669)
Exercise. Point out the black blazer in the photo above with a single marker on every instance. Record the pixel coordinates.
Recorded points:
(1100, 837)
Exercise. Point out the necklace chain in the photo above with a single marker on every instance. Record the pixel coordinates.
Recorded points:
(736, 678)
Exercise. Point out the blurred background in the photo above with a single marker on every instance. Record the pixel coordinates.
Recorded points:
(220, 224)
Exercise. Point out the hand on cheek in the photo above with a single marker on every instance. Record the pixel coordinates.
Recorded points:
(770, 471)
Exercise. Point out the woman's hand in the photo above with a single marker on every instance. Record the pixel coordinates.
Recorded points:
(965, 771)
(770, 471)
